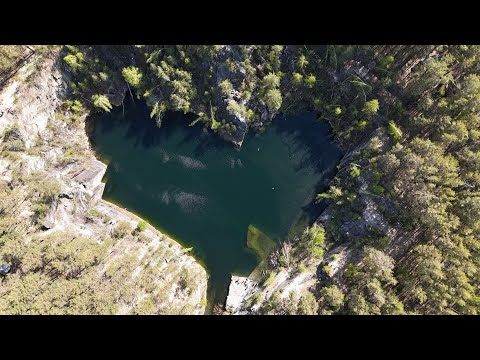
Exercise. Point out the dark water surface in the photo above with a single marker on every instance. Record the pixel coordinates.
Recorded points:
(204, 192)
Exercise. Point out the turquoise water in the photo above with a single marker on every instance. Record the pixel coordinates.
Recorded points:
(203, 191)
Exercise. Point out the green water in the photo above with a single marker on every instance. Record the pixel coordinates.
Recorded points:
(203, 191)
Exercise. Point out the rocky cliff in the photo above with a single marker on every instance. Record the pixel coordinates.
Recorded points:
(57, 148)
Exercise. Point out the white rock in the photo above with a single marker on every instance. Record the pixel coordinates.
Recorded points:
(240, 290)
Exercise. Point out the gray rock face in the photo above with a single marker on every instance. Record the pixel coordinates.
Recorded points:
(89, 175)
(98, 191)
(241, 128)
(240, 290)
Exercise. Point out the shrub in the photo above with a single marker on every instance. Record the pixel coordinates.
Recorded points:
(394, 131)
(352, 197)
(142, 226)
(271, 81)
(145, 307)
(12, 139)
(310, 81)
(226, 87)
(362, 124)
(333, 297)
(327, 269)
(122, 229)
(51, 189)
(253, 300)
(297, 79)
(44, 190)
(354, 170)
(351, 271)
(371, 107)
(387, 60)
(70, 156)
(270, 279)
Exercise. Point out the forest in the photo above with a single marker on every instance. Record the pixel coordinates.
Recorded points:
(407, 118)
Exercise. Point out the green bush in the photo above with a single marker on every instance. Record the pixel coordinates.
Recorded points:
(371, 107)
(310, 81)
(362, 124)
(226, 87)
(327, 269)
(122, 229)
(351, 271)
(270, 279)
(142, 226)
(302, 268)
(297, 79)
(394, 131)
(354, 170)
(12, 139)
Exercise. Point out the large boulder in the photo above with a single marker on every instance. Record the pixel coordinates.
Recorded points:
(89, 175)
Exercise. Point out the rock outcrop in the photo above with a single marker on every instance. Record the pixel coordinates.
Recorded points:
(240, 291)
(238, 120)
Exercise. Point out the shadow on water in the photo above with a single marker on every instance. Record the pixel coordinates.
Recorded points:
(320, 155)
(205, 192)
(143, 133)
(304, 129)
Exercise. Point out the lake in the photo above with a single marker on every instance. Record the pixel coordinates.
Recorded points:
(203, 191)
